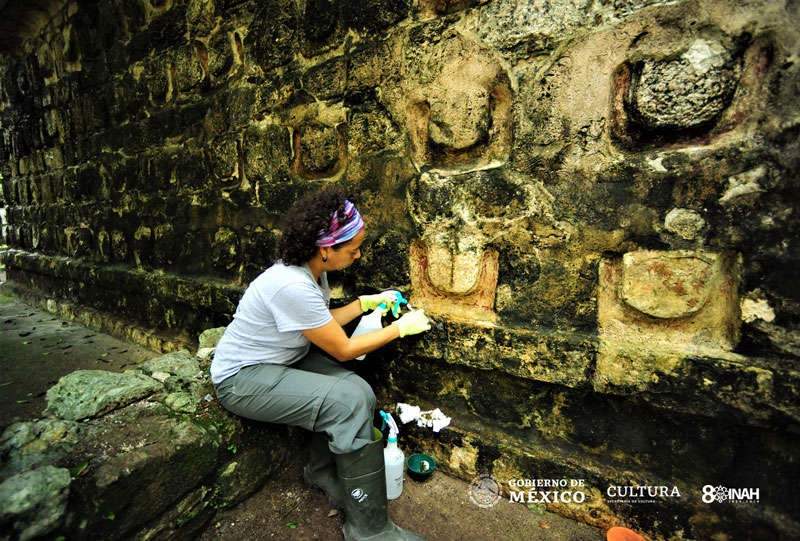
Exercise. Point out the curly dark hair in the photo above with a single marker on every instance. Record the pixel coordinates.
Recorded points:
(301, 226)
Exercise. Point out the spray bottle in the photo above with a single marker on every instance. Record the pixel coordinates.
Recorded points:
(373, 321)
(368, 323)
(394, 460)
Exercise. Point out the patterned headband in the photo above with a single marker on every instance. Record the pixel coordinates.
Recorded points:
(341, 232)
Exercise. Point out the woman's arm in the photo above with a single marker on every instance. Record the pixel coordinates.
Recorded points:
(332, 339)
(347, 313)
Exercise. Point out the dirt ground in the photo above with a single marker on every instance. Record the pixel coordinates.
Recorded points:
(37, 348)
(439, 509)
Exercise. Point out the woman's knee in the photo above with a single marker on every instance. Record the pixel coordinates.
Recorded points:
(352, 399)
(365, 393)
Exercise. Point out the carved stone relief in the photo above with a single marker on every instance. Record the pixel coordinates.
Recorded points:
(666, 306)
(319, 150)
(457, 107)
(319, 141)
(454, 265)
(683, 298)
(456, 102)
(675, 95)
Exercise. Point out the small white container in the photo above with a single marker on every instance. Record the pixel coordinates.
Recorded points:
(394, 461)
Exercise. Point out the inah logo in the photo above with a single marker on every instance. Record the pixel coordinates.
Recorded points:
(485, 491)
(721, 494)
(359, 495)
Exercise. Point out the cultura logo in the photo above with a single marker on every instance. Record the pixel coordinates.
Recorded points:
(640, 493)
(719, 494)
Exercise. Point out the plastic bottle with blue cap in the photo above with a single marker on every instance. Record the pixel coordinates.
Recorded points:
(374, 320)
(393, 459)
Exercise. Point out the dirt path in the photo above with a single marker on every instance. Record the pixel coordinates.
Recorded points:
(438, 509)
(37, 348)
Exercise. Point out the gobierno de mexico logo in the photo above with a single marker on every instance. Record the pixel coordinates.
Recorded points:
(485, 491)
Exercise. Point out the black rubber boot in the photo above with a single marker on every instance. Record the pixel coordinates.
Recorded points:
(320, 472)
(366, 508)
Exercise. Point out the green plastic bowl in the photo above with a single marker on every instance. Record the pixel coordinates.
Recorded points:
(420, 466)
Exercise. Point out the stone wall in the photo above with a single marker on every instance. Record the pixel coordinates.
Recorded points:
(596, 201)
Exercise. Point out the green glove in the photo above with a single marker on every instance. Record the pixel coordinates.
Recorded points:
(371, 302)
(413, 322)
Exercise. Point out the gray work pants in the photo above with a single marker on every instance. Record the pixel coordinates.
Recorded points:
(316, 393)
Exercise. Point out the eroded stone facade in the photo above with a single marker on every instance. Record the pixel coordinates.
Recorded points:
(596, 202)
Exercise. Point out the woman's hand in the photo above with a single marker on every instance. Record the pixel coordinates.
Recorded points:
(371, 302)
(413, 322)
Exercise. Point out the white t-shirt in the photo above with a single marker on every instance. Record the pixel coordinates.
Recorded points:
(275, 307)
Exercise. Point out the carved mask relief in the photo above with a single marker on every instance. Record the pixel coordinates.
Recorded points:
(677, 303)
(457, 112)
(319, 150)
(460, 121)
(680, 96)
(319, 140)
(454, 265)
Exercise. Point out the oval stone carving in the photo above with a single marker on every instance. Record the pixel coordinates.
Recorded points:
(461, 118)
(454, 271)
(319, 150)
(683, 93)
(666, 285)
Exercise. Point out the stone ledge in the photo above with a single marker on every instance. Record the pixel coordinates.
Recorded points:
(162, 311)
(711, 383)
(536, 354)
(705, 382)
(151, 467)
(113, 324)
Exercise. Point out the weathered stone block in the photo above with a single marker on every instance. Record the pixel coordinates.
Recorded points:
(371, 131)
(28, 445)
(374, 16)
(89, 393)
(681, 299)
(181, 364)
(187, 67)
(156, 77)
(155, 461)
(273, 37)
(33, 502)
(683, 93)
(536, 26)
(220, 56)
(685, 223)
(562, 358)
(78, 241)
(224, 249)
(320, 150)
(320, 22)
